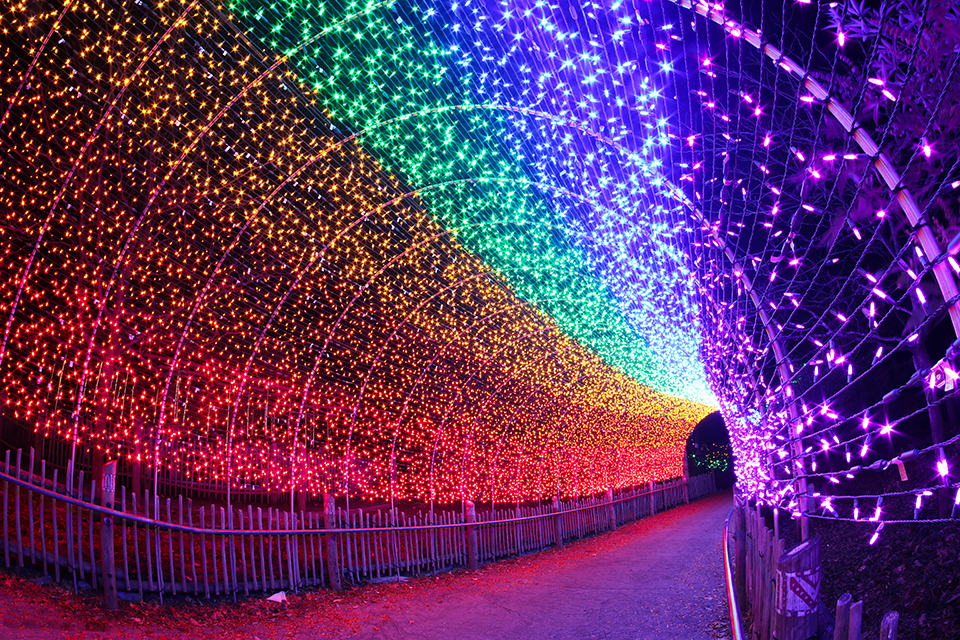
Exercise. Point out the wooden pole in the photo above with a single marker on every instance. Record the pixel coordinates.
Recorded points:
(841, 630)
(856, 616)
(557, 524)
(798, 591)
(740, 551)
(330, 543)
(108, 485)
(888, 628)
(470, 513)
(612, 510)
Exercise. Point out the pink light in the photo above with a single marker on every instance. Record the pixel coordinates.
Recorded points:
(943, 468)
(830, 157)
(881, 214)
(758, 112)
(888, 95)
(876, 81)
(841, 38)
(849, 156)
(800, 156)
(913, 337)
(887, 428)
(922, 298)
(953, 264)
(880, 294)
(807, 99)
(706, 62)
(927, 149)
(865, 423)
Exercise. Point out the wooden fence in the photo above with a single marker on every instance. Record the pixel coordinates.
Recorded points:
(779, 589)
(63, 526)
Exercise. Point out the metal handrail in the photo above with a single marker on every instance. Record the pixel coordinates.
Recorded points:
(736, 624)
(150, 522)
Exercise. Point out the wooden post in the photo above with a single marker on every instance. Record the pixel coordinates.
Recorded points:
(108, 485)
(557, 524)
(888, 628)
(740, 551)
(856, 616)
(612, 510)
(798, 591)
(470, 515)
(330, 543)
(653, 500)
(841, 630)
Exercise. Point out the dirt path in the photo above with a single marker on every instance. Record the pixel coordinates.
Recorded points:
(656, 579)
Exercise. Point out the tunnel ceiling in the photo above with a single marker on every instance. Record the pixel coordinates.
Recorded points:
(433, 250)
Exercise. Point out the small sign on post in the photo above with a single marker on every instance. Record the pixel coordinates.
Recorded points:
(330, 543)
(611, 510)
(557, 524)
(470, 515)
(108, 483)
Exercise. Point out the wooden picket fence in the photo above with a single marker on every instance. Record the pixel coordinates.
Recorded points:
(59, 524)
(761, 566)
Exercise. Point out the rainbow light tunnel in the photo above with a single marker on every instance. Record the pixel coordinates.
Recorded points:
(397, 250)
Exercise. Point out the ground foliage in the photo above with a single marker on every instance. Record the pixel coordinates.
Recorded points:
(913, 569)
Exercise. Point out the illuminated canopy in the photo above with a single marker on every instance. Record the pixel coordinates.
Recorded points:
(419, 249)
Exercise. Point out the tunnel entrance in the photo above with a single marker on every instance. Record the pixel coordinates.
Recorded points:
(708, 449)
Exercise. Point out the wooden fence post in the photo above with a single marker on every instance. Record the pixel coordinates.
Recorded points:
(841, 630)
(653, 500)
(888, 628)
(557, 524)
(470, 513)
(108, 485)
(740, 571)
(798, 591)
(330, 543)
(856, 617)
(612, 510)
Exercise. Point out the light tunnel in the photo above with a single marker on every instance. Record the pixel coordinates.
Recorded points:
(443, 251)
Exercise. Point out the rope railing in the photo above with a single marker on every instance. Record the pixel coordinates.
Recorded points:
(113, 513)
